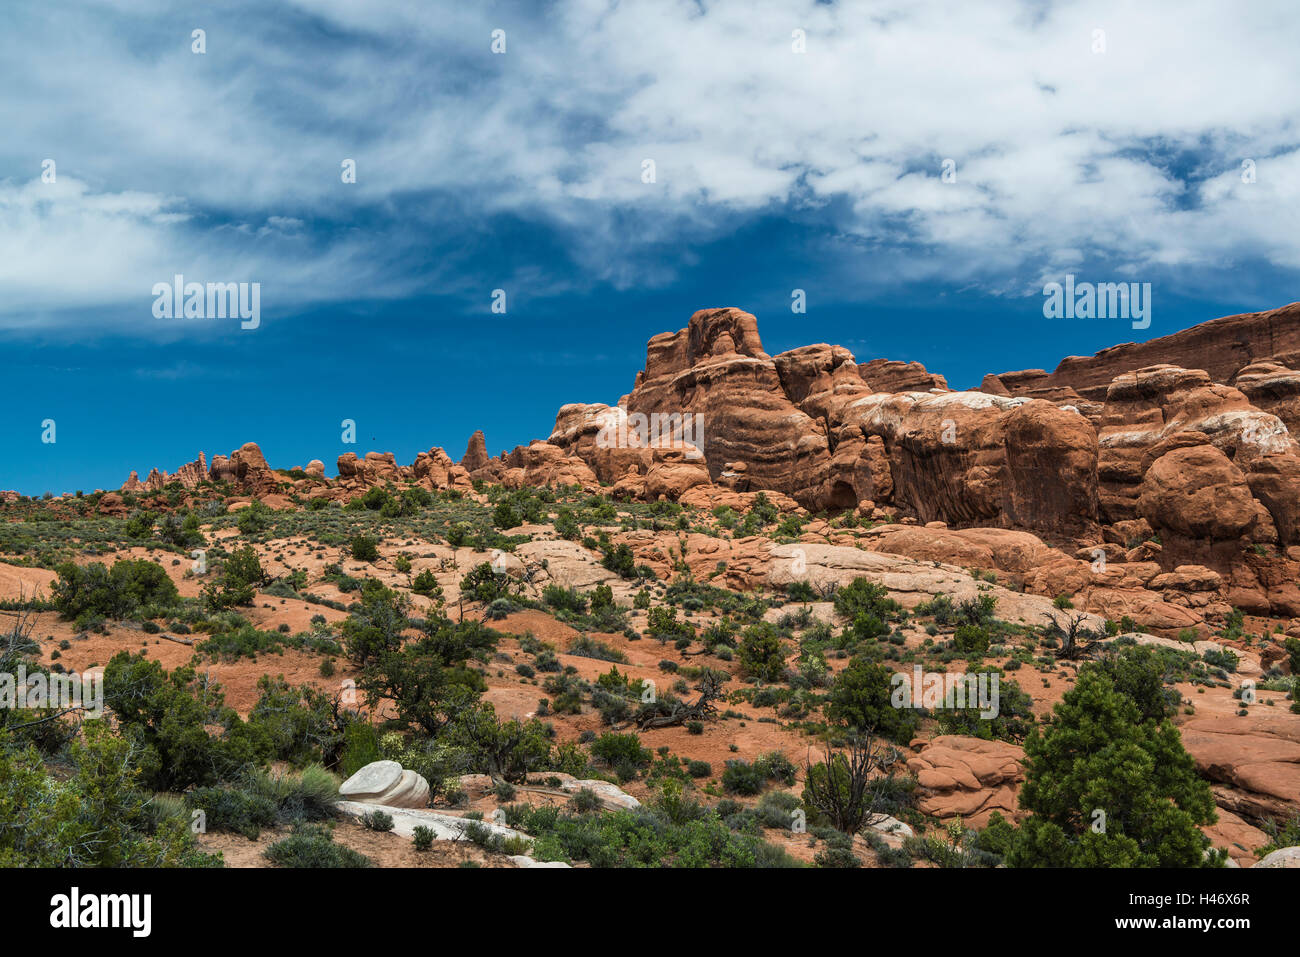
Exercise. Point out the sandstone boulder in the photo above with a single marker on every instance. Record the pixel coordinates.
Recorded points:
(1199, 493)
(967, 777)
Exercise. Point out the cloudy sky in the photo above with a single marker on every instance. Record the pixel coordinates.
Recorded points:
(794, 146)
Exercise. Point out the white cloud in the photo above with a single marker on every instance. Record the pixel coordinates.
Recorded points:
(1053, 142)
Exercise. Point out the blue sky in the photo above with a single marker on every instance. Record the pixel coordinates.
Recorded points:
(1115, 156)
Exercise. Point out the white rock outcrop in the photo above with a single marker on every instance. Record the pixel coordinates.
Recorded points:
(1283, 857)
(386, 783)
(445, 827)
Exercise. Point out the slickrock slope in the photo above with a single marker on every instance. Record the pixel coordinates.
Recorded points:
(1254, 760)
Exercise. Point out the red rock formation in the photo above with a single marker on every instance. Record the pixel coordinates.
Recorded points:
(347, 465)
(1171, 455)
(192, 473)
(1196, 492)
(601, 436)
(812, 424)
(890, 375)
(245, 468)
(434, 469)
(1153, 411)
(188, 475)
(642, 456)
(475, 456)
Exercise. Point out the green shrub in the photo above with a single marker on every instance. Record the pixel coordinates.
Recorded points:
(584, 646)
(861, 699)
(426, 584)
(93, 815)
(863, 597)
(564, 599)
(1224, 658)
(619, 560)
(313, 846)
(566, 525)
(741, 777)
(839, 857)
(119, 593)
(364, 548)
(377, 821)
(940, 608)
(484, 584)
(230, 809)
(241, 574)
(361, 747)
(505, 516)
(306, 795)
(615, 749)
(253, 519)
(167, 717)
(648, 837)
(978, 610)
(760, 653)
(663, 624)
(1292, 646)
(971, 639)
(1099, 752)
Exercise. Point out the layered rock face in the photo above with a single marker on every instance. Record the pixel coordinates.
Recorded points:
(1274, 388)
(1254, 762)
(1222, 347)
(716, 367)
(387, 784)
(432, 470)
(640, 456)
(246, 466)
(1205, 477)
